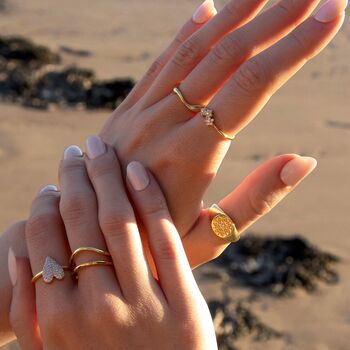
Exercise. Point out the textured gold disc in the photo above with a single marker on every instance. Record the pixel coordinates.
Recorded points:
(223, 226)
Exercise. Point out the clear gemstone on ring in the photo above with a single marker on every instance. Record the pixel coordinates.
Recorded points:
(208, 116)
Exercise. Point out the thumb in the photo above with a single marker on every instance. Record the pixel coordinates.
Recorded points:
(23, 307)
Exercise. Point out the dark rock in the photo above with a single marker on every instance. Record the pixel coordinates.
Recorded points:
(25, 52)
(278, 265)
(27, 79)
(235, 320)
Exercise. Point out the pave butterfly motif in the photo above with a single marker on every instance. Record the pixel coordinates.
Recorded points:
(52, 269)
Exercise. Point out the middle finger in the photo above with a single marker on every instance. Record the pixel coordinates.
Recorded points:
(242, 44)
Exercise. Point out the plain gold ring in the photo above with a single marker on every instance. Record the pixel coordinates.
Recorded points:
(87, 249)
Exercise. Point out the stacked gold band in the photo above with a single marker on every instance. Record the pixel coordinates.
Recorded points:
(90, 264)
(87, 249)
(80, 250)
(205, 112)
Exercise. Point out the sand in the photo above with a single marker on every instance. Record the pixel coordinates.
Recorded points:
(308, 116)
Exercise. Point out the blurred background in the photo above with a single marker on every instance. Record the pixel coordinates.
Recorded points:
(309, 116)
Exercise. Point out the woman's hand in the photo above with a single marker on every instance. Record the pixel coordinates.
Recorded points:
(234, 61)
(108, 307)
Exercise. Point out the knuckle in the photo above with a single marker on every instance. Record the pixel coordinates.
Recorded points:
(104, 166)
(230, 47)
(41, 223)
(72, 166)
(167, 250)
(299, 40)
(187, 53)
(156, 206)
(114, 221)
(76, 206)
(233, 10)
(252, 76)
(155, 67)
(259, 203)
(286, 7)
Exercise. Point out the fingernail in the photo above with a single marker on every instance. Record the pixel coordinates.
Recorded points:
(297, 169)
(204, 12)
(137, 176)
(72, 151)
(95, 147)
(49, 188)
(330, 10)
(12, 267)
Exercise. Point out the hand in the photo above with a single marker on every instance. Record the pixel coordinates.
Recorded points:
(109, 307)
(235, 62)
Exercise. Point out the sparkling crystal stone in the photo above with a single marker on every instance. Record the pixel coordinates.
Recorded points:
(52, 269)
(206, 112)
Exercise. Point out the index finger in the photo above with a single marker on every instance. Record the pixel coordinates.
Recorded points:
(174, 272)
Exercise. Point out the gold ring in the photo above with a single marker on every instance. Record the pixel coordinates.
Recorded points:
(205, 112)
(87, 249)
(208, 115)
(90, 264)
(51, 270)
(223, 226)
(192, 108)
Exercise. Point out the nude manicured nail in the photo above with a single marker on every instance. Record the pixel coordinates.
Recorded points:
(72, 151)
(330, 10)
(137, 176)
(12, 267)
(297, 169)
(48, 188)
(95, 147)
(204, 12)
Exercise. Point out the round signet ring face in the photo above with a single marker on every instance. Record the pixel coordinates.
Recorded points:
(223, 226)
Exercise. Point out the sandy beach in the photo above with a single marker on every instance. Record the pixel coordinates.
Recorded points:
(309, 116)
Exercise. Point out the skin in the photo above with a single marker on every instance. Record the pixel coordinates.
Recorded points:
(136, 310)
(235, 61)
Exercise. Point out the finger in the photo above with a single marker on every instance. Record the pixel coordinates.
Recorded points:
(23, 308)
(79, 211)
(190, 53)
(203, 14)
(251, 86)
(45, 237)
(242, 44)
(116, 218)
(173, 270)
(252, 199)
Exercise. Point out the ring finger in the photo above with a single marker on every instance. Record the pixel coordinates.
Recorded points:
(79, 212)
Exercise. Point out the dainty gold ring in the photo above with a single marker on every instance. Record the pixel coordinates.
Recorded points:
(205, 112)
(90, 264)
(88, 249)
(51, 270)
(223, 226)
(208, 115)
(192, 108)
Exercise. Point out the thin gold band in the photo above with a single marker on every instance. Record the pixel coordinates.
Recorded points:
(192, 108)
(90, 264)
(88, 249)
(231, 138)
(202, 110)
(39, 275)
